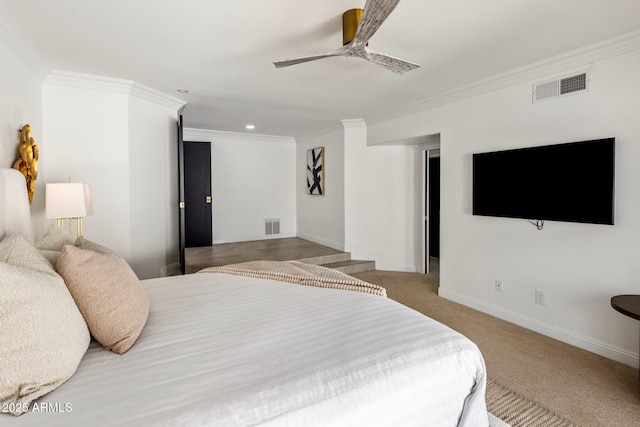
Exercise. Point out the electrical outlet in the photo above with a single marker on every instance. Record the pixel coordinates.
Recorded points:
(498, 285)
(540, 297)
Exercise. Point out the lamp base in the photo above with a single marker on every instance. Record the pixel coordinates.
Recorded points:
(60, 222)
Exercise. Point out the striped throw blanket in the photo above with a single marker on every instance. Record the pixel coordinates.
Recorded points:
(300, 273)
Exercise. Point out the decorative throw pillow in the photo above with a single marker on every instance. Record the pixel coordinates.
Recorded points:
(16, 250)
(88, 245)
(51, 256)
(43, 334)
(108, 294)
(54, 239)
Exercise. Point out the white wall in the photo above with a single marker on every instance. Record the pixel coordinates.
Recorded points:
(112, 135)
(321, 219)
(381, 201)
(88, 141)
(578, 266)
(370, 201)
(153, 186)
(252, 179)
(20, 103)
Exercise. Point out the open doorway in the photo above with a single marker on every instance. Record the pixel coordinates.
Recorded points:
(430, 206)
(432, 212)
(426, 239)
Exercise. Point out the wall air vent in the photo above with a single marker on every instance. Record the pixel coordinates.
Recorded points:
(559, 87)
(272, 226)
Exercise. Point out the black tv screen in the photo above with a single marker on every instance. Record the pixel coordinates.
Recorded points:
(571, 182)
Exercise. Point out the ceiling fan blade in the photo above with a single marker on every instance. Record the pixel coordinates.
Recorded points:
(392, 63)
(336, 52)
(374, 14)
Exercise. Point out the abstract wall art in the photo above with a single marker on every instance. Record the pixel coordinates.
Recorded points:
(315, 171)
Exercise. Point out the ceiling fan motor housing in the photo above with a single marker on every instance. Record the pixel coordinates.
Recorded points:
(350, 21)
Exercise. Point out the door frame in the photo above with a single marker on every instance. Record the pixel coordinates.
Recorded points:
(425, 150)
(181, 214)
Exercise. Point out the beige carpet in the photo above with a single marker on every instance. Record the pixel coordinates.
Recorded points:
(577, 385)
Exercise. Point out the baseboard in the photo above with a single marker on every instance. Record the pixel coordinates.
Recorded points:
(322, 241)
(560, 334)
(254, 238)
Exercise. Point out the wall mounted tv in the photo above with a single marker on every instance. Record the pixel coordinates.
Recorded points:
(571, 182)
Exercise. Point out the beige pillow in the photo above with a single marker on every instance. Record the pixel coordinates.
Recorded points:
(88, 245)
(43, 334)
(54, 239)
(108, 294)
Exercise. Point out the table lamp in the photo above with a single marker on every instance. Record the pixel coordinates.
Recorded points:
(70, 200)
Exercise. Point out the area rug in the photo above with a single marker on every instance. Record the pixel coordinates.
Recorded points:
(518, 411)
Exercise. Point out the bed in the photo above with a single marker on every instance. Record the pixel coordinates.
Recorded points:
(225, 349)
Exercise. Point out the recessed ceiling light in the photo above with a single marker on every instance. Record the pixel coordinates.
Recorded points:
(183, 91)
(250, 127)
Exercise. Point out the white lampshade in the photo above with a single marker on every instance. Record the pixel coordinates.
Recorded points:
(68, 200)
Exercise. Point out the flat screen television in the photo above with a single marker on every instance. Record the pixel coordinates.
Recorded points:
(571, 182)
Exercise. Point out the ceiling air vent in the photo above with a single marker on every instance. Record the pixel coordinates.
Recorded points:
(558, 87)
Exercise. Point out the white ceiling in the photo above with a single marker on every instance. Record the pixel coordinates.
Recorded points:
(222, 52)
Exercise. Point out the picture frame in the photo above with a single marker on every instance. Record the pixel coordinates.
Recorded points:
(315, 171)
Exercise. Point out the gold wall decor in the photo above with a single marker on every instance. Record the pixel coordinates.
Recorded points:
(27, 162)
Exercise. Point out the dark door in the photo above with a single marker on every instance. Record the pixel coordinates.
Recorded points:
(197, 194)
(434, 207)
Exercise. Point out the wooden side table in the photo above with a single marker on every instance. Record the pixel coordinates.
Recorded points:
(629, 305)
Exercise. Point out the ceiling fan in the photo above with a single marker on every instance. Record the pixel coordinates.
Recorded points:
(364, 23)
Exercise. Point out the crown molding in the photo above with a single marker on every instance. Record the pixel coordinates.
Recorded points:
(582, 57)
(88, 81)
(353, 123)
(156, 97)
(336, 127)
(113, 85)
(18, 45)
(212, 135)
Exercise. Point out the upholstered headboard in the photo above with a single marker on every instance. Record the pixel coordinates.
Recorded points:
(15, 214)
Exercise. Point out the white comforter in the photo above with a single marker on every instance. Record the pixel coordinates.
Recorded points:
(227, 350)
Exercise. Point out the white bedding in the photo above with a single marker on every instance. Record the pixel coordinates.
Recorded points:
(229, 350)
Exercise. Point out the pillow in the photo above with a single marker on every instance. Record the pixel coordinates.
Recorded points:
(54, 239)
(43, 334)
(108, 294)
(51, 256)
(83, 243)
(16, 250)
